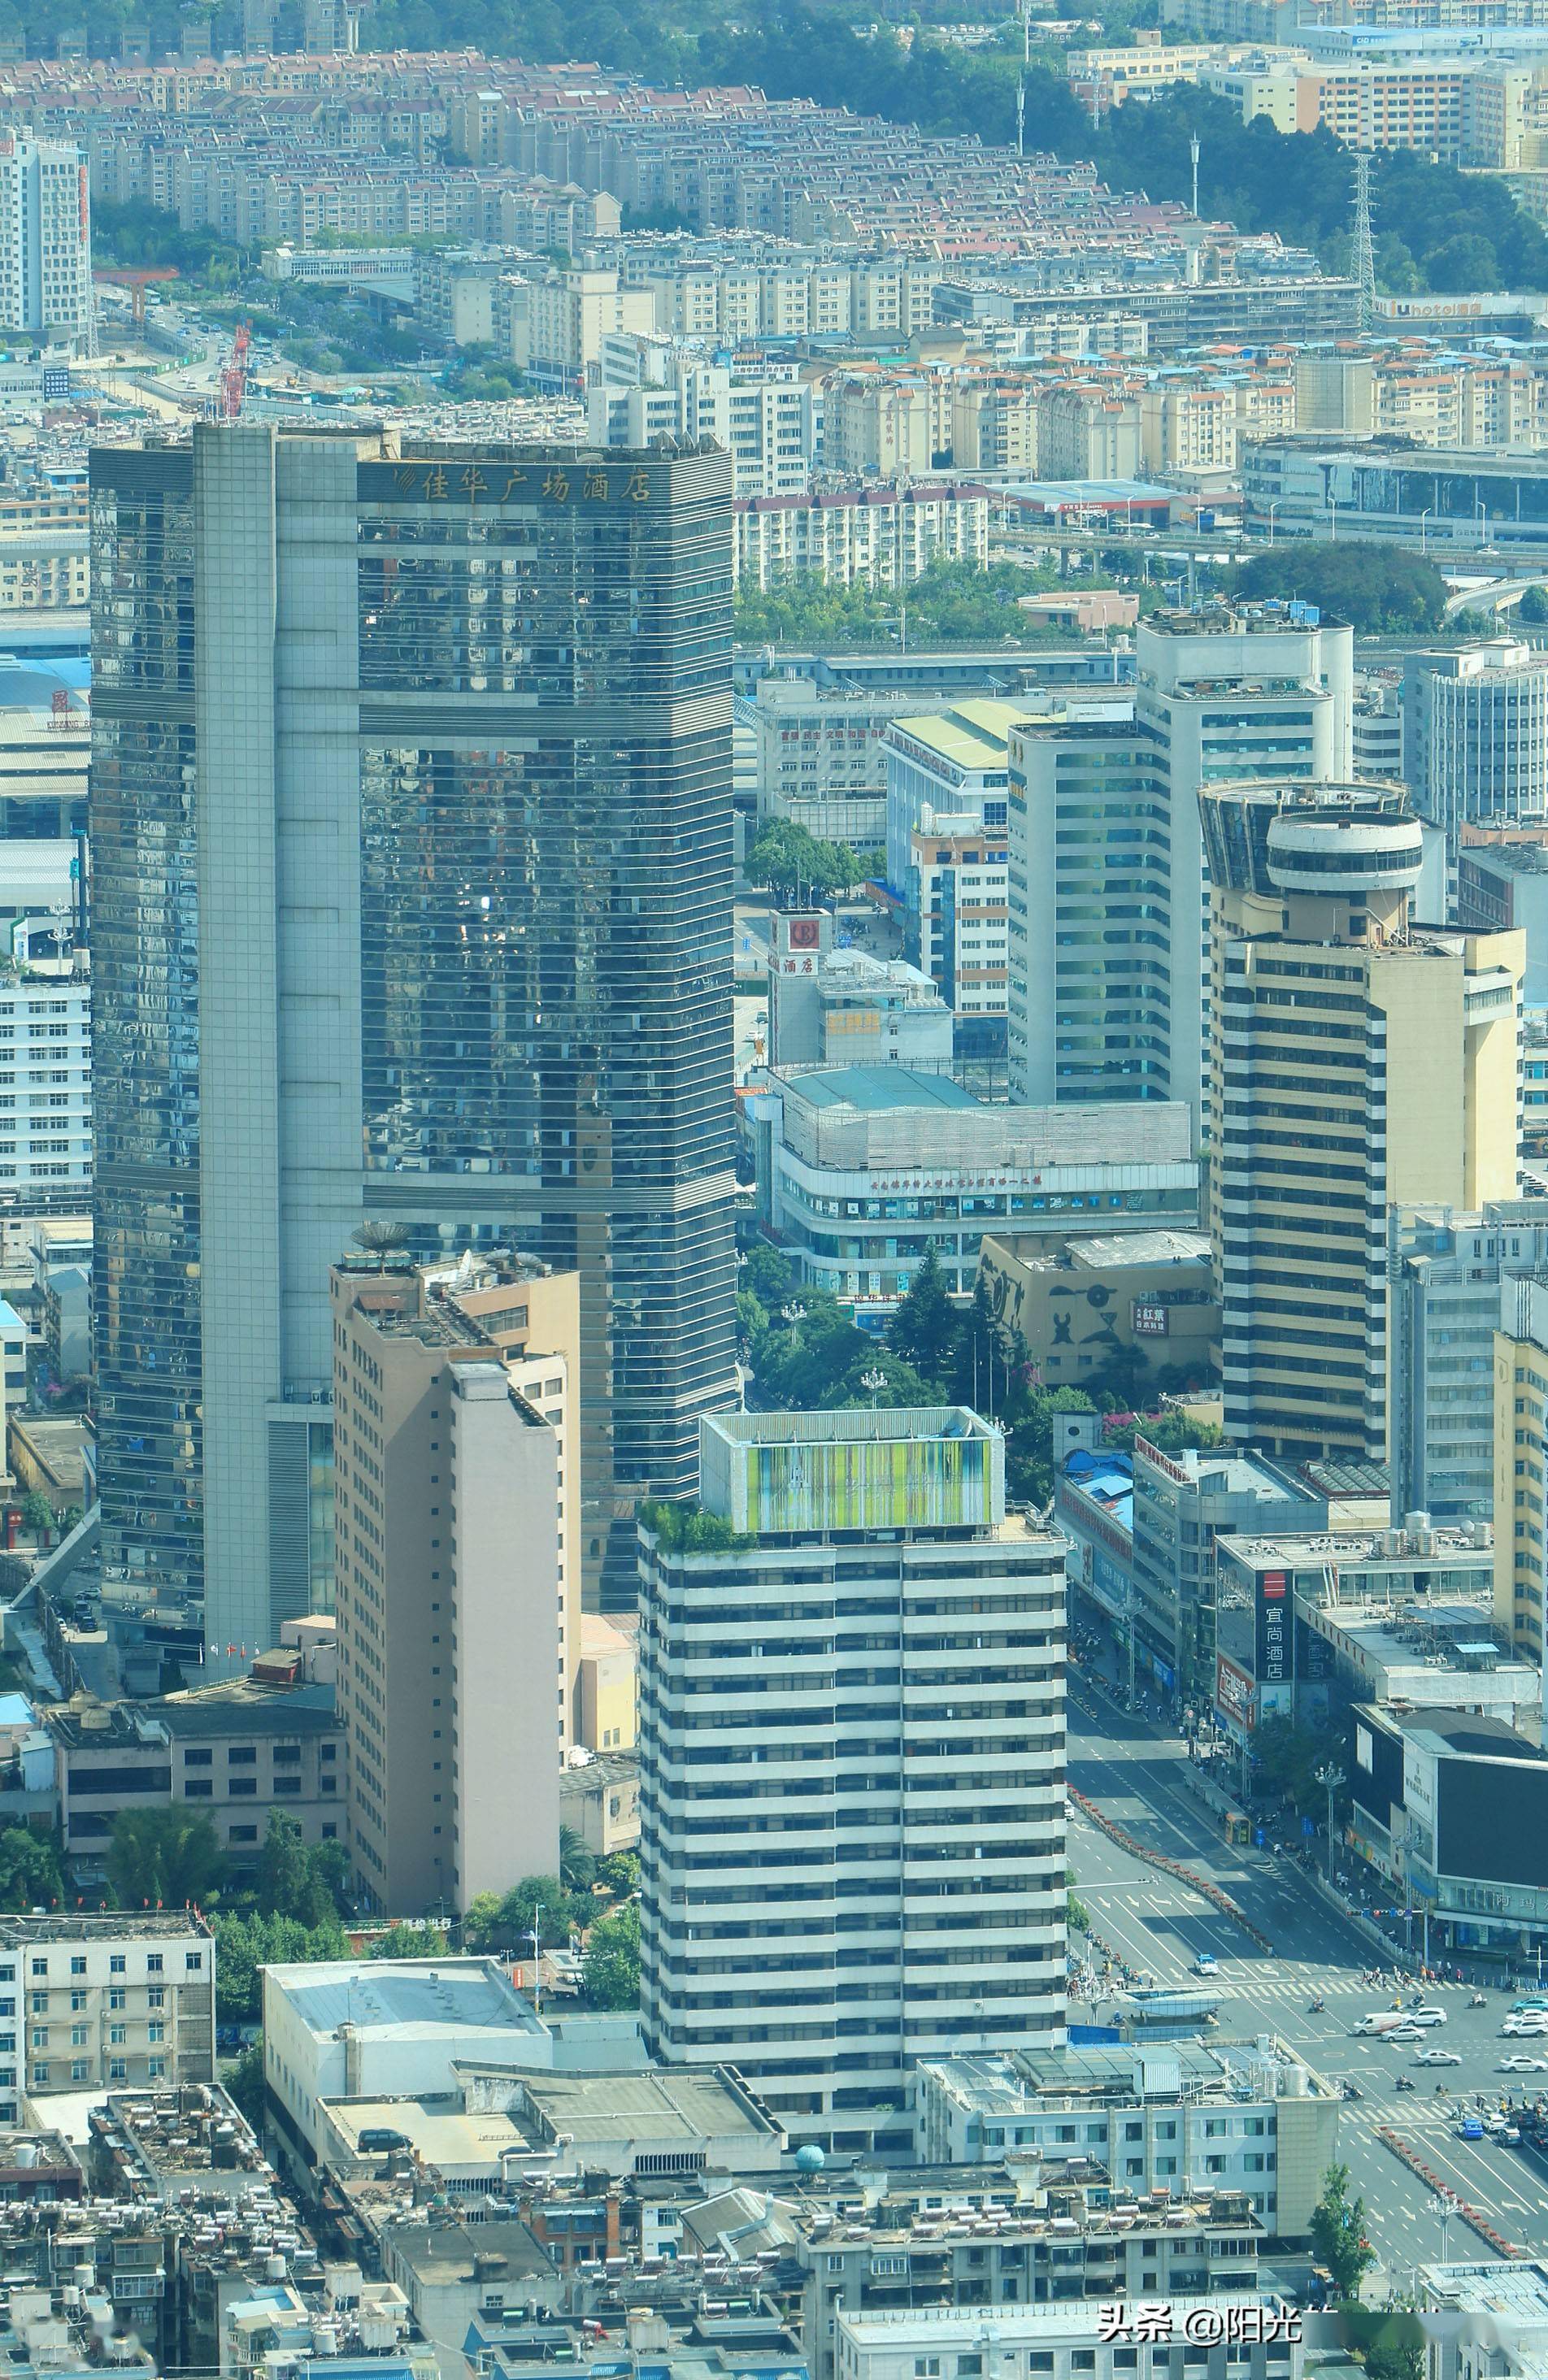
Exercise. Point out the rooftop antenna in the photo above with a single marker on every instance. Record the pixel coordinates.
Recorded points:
(1365, 254)
(1193, 152)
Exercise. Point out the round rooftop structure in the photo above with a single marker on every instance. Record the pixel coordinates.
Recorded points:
(1337, 848)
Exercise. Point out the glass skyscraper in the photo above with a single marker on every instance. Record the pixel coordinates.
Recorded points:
(412, 829)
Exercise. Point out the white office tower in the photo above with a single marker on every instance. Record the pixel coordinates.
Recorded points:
(1108, 892)
(45, 240)
(1475, 736)
(852, 1749)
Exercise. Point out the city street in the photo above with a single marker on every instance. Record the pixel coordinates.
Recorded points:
(1134, 1770)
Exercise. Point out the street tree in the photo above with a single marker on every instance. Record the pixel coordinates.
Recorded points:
(1338, 2233)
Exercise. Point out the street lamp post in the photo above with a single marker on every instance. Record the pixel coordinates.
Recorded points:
(537, 1958)
(1331, 1780)
(1423, 533)
(1273, 509)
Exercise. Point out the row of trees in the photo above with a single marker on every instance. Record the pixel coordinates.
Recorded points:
(950, 603)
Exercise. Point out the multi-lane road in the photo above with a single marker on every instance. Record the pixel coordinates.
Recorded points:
(1134, 1772)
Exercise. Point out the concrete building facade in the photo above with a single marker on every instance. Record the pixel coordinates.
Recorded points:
(919, 1901)
(45, 240)
(457, 1583)
(1475, 736)
(1107, 866)
(1340, 1028)
(1444, 1275)
(95, 2002)
(862, 1168)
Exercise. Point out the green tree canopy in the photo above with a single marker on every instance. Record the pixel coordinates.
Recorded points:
(1377, 589)
(507, 1923)
(402, 1940)
(924, 1330)
(577, 1862)
(30, 1877)
(1338, 2233)
(246, 1944)
(610, 1969)
(164, 1858)
(796, 865)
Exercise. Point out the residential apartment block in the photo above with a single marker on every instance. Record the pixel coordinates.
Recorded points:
(96, 2002)
(882, 536)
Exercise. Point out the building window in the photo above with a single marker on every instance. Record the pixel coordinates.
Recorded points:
(78, 1966)
(117, 1998)
(117, 1964)
(118, 2034)
(194, 1962)
(40, 1966)
(156, 1996)
(118, 2069)
(153, 1963)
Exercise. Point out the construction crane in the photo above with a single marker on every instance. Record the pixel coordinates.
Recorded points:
(234, 375)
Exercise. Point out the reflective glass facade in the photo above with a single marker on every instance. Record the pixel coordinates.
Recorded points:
(146, 996)
(536, 1045)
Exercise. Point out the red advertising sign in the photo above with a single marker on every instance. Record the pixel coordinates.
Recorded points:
(1235, 1695)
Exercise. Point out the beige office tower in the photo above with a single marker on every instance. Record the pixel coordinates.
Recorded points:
(1520, 1415)
(1358, 1060)
(456, 1572)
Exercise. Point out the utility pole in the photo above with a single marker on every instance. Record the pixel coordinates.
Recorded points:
(1021, 116)
(1193, 152)
(1331, 1780)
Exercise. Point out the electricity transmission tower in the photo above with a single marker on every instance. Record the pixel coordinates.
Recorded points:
(1365, 255)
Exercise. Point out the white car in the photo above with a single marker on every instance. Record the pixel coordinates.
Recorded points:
(1403, 2032)
(1518, 2065)
(1438, 2057)
(1532, 2027)
(1427, 2016)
